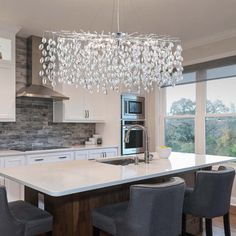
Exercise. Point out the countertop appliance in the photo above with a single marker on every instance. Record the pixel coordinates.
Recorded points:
(136, 138)
(132, 107)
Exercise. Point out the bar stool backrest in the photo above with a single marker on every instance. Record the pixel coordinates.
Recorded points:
(213, 191)
(8, 224)
(154, 210)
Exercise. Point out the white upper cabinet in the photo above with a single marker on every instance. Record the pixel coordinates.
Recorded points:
(7, 76)
(82, 106)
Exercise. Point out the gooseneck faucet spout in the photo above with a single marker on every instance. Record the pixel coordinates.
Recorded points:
(127, 135)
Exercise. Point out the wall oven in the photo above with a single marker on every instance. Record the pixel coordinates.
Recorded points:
(136, 141)
(132, 107)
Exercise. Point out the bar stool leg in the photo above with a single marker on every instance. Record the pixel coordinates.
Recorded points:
(208, 227)
(96, 231)
(183, 224)
(227, 224)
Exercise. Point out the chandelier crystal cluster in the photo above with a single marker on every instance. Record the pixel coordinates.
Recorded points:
(110, 61)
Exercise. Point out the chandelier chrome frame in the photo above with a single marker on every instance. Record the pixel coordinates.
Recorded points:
(110, 61)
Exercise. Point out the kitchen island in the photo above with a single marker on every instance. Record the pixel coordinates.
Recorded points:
(72, 189)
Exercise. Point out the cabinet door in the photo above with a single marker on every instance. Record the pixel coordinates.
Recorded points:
(81, 155)
(110, 152)
(7, 94)
(82, 106)
(71, 110)
(95, 105)
(15, 191)
(97, 153)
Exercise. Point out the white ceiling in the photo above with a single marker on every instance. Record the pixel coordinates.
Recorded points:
(190, 20)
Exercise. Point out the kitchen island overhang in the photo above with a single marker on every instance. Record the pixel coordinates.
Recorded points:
(72, 189)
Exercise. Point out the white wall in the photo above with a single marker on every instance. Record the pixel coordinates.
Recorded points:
(110, 130)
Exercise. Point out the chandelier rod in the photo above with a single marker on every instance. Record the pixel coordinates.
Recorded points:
(118, 16)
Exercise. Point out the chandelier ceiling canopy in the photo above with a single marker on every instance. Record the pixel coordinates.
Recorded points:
(110, 61)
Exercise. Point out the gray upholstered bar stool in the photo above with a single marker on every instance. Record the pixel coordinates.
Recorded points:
(210, 198)
(152, 210)
(20, 218)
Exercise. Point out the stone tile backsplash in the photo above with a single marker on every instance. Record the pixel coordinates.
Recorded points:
(34, 118)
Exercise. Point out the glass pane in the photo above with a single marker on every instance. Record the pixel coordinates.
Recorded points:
(180, 100)
(135, 107)
(221, 96)
(188, 78)
(5, 49)
(221, 72)
(135, 140)
(221, 136)
(179, 134)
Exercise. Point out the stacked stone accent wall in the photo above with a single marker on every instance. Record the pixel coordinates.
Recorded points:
(34, 117)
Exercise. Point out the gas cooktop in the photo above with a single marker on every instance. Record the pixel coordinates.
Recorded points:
(25, 149)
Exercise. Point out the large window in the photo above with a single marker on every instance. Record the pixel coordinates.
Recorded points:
(200, 113)
(221, 117)
(180, 118)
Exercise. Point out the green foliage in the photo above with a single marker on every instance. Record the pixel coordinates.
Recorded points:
(221, 136)
(182, 107)
(220, 132)
(180, 134)
(216, 107)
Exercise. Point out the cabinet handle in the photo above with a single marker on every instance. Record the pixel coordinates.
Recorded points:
(40, 159)
(86, 113)
(62, 157)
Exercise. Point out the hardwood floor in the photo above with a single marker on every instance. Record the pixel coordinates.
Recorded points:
(218, 228)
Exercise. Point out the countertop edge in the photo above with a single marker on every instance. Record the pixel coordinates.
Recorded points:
(113, 183)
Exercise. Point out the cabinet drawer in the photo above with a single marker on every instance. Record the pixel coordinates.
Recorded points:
(47, 158)
(81, 155)
(104, 152)
(14, 161)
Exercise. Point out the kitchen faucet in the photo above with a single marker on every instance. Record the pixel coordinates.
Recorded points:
(127, 135)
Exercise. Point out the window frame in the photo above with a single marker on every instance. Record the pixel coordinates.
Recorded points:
(200, 115)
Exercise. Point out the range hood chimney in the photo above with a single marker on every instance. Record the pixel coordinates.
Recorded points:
(34, 86)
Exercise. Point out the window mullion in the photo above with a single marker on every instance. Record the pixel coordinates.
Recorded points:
(160, 116)
(200, 114)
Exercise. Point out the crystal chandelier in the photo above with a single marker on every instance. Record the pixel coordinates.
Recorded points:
(110, 61)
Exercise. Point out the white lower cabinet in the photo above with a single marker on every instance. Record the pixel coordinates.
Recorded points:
(15, 191)
(96, 153)
(81, 155)
(110, 152)
(49, 157)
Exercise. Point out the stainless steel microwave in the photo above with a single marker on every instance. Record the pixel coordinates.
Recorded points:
(133, 107)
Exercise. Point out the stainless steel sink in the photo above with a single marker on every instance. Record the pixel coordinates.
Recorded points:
(122, 161)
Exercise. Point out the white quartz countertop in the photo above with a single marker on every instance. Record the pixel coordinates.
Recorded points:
(6, 153)
(59, 179)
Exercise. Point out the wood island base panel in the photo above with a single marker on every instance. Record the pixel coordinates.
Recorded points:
(72, 213)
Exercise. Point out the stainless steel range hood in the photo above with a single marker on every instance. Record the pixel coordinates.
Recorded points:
(34, 86)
